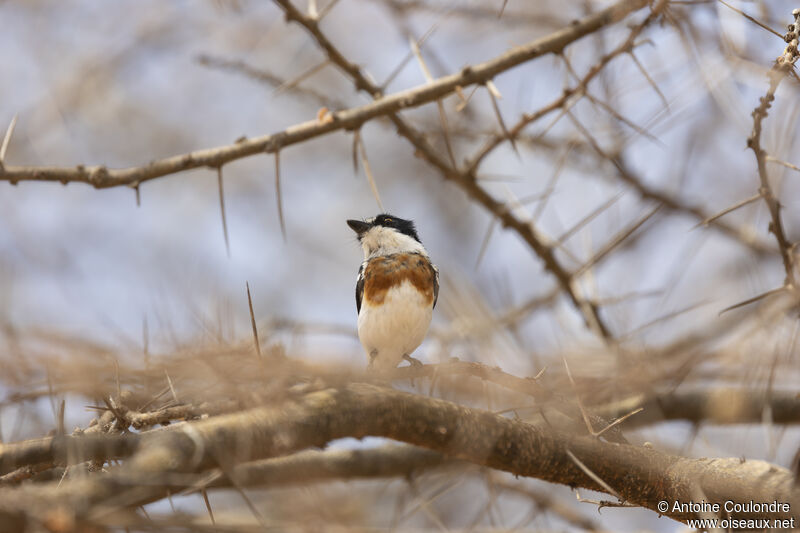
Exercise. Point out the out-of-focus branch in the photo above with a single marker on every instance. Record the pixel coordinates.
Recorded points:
(329, 465)
(65, 450)
(481, 12)
(712, 406)
(548, 502)
(627, 175)
(546, 397)
(90, 444)
(640, 475)
(565, 101)
(384, 462)
(562, 104)
(102, 177)
(266, 77)
(307, 467)
(528, 385)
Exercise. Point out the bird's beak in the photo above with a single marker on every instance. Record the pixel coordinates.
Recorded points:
(358, 226)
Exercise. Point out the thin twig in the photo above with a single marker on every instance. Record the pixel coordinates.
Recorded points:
(584, 413)
(171, 388)
(650, 80)
(751, 19)
(439, 104)
(324, 11)
(594, 476)
(7, 140)
(485, 241)
(616, 241)
(781, 162)
(494, 94)
(208, 507)
(291, 84)
(278, 196)
(619, 421)
(362, 150)
(754, 299)
(222, 211)
(734, 207)
(253, 320)
(588, 218)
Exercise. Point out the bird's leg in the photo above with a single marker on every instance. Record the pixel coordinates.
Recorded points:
(372, 355)
(416, 363)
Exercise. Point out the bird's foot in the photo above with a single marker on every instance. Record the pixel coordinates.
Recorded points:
(413, 361)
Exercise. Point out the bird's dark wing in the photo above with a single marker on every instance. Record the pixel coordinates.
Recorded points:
(359, 288)
(435, 285)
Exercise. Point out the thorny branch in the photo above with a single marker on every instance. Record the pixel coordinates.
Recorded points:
(784, 65)
(103, 177)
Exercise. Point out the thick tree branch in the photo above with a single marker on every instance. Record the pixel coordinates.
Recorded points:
(641, 475)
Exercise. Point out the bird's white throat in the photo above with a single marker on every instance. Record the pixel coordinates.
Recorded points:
(380, 240)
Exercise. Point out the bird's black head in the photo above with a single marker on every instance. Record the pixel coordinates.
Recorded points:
(406, 227)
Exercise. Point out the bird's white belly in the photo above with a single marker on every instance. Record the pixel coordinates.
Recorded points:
(396, 327)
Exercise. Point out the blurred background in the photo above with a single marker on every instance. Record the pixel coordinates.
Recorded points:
(128, 82)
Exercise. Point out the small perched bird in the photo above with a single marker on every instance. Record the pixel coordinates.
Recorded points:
(396, 290)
